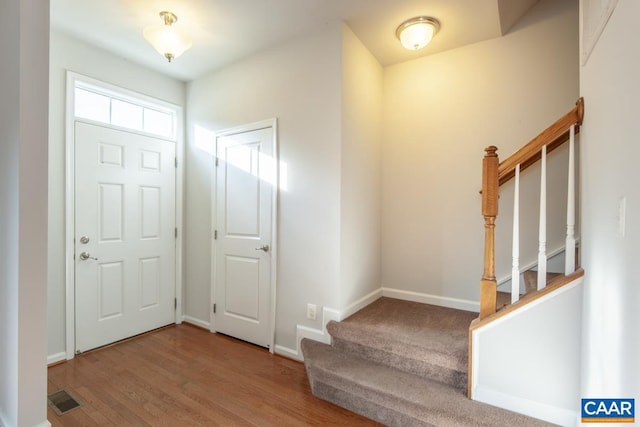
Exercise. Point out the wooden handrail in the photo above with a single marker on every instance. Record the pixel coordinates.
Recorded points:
(553, 136)
(495, 173)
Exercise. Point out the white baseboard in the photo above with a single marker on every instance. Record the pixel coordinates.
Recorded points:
(457, 303)
(4, 423)
(197, 322)
(542, 411)
(321, 335)
(361, 303)
(55, 358)
(328, 314)
(286, 352)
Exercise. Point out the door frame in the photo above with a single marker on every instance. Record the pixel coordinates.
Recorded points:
(70, 299)
(268, 123)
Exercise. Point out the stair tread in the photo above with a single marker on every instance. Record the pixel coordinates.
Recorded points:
(422, 339)
(425, 400)
(392, 324)
(370, 374)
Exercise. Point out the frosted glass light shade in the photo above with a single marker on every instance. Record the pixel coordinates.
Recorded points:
(416, 33)
(169, 41)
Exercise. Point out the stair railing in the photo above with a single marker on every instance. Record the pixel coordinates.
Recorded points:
(496, 173)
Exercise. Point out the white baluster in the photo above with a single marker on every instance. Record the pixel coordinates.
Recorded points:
(542, 231)
(570, 244)
(515, 269)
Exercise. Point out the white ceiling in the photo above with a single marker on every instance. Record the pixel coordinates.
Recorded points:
(224, 31)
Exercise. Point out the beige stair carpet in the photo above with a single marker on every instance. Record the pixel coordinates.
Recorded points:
(403, 364)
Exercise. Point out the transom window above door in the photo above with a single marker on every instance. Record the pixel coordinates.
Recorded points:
(96, 104)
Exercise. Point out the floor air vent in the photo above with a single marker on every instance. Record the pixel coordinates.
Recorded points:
(62, 402)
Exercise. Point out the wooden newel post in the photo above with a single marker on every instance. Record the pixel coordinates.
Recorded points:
(490, 189)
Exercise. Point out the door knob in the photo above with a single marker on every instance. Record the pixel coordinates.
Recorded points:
(86, 255)
(263, 248)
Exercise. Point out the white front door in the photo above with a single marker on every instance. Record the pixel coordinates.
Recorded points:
(124, 234)
(246, 177)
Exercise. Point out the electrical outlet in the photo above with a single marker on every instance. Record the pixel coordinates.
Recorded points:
(311, 311)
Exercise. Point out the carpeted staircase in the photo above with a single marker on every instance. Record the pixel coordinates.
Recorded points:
(404, 364)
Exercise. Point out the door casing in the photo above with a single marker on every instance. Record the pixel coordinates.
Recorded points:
(70, 200)
(272, 123)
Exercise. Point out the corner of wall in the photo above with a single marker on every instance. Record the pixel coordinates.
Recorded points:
(196, 322)
(322, 335)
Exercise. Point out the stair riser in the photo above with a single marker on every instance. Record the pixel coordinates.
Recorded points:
(365, 407)
(434, 366)
(394, 397)
(339, 390)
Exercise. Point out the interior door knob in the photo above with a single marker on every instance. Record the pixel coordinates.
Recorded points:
(86, 255)
(263, 248)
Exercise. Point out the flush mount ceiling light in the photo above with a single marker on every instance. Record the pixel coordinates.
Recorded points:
(416, 33)
(169, 41)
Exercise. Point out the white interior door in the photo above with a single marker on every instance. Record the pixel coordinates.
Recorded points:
(246, 176)
(124, 234)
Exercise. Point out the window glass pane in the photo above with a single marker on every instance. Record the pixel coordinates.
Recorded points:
(92, 106)
(158, 123)
(126, 114)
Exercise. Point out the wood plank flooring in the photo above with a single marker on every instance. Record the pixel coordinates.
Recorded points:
(185, 376)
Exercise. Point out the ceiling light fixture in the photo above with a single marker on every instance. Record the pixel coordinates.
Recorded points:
(169, 41)
(416, 33)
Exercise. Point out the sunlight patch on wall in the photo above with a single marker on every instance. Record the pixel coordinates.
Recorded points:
(252, 161)
(204, 139)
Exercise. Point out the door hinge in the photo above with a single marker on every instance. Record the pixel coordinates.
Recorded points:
(175, 303)
(176, 159)
(215, 234)
(214, 308)
(176, 233)
(217, 161)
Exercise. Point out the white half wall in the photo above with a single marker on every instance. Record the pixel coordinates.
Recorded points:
(24, 36)
(528, 360)
(609, 173)
(68, 53)
(440, 112)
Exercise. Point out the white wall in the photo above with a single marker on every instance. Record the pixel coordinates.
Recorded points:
(610, 151)
(299, 84)
(68, 53)
(440, 112)
(361, 170)
(10, 213)
(24, 28)
(534, 373)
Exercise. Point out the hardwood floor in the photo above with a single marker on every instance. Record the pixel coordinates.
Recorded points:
(185, 376)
